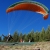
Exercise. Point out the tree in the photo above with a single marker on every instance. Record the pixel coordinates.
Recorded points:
(31, 36)
(0, 39)
(25, 38)
(36, 36)
(48, 34)
(43, 35)
(20, 36)
(15, 37)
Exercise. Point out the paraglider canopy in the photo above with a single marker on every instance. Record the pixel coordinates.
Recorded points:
(30, 6)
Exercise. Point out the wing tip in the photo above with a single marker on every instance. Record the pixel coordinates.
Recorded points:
(46, 16)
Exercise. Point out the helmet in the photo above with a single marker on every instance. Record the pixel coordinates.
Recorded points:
(9, 33)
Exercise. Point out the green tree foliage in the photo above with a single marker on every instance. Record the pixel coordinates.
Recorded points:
(4, 39)
(0, 39)
(31, 36)
(20, 36)
(48, 34)
(15, 37)
(25, 37)
(44, 35)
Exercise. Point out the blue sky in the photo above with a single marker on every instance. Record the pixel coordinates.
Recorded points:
(21, 21)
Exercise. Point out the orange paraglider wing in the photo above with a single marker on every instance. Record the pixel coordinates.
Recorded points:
(30, 6)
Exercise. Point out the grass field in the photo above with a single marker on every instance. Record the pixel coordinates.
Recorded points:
(31, 46)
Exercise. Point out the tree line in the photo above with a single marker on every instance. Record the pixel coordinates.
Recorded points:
(43, 35)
